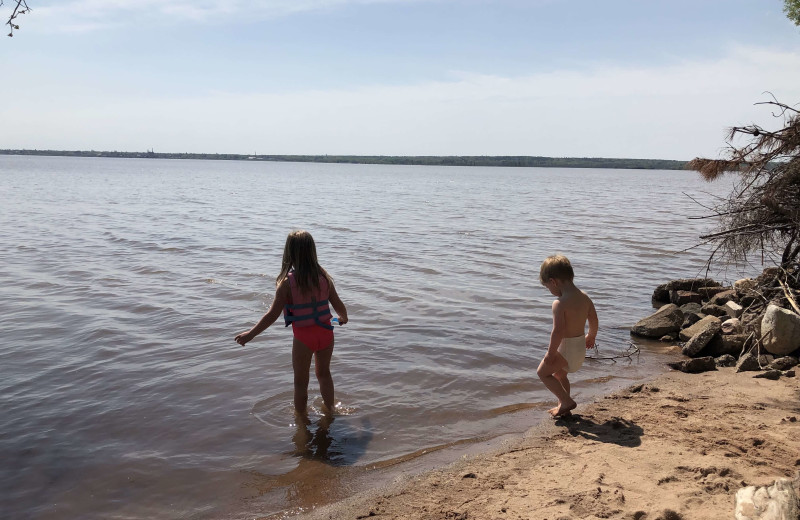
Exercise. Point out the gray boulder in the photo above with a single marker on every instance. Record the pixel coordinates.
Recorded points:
(725, 360)
(694, 366)
(684, 297)
(784, 363)
(690, 319)
(727, 344)
(733, 309)
(691, 284)
(697, 342)
(745, 284)
(691, 307)
(776, 502)
(723, 297)
(780, 331)
(773, 375)
(715, 310)
(665, 320)
(687, 333)
(747, 363)
(661, 293)
(732, 326)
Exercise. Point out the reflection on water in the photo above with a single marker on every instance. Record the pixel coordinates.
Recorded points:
(343, 446)
(124, 281)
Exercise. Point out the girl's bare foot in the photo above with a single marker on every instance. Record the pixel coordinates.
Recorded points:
(553, 410)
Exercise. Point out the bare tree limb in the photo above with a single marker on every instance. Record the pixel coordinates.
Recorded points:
(21, 7)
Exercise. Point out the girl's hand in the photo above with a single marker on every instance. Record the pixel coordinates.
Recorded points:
(342, 319)
(243, 338)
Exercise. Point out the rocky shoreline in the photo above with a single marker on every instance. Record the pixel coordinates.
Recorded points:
(753, 325)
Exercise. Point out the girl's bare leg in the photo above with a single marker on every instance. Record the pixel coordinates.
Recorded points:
(301, 363)
(322, 368)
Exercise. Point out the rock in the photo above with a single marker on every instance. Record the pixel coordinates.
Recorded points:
(788, 373)
(725, 360)
(723, 297)
(747, 363)
(715, 310)
(776, 502)
(745, 284)
(665, 320)
(710, 292)
(770, 273)
(780, 331)
(694, 366)
(701, 364)
(701, 339)
(691, 307)
(765, 359)
(733, 309)
(731, 326)
(784, 363)
(727, 344)
(684, 297)
(691, 284)
(668, 338)
(690, 319)
(773, 375)
(687, 333)
(661, 294)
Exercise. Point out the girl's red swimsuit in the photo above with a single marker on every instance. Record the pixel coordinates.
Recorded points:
(310, 315)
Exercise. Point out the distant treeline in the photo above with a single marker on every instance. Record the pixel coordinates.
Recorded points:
(427, 160)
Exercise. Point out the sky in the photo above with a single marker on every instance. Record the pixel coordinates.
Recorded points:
(561, 78)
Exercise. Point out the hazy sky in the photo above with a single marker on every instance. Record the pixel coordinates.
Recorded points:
(611, 78)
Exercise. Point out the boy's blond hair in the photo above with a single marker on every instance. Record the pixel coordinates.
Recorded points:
(556, 266)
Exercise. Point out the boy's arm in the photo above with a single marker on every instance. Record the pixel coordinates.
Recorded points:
(557, 334)
(337, 305)
(269, 318)
(594, 324)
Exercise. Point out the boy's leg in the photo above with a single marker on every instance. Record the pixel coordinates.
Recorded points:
(546, 373)
(561, 377)
(322, 365)
(301, 363)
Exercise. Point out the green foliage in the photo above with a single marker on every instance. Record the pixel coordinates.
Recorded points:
(792, 10)
(426, 160)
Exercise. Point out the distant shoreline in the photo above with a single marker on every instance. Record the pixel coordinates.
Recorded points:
(416, 160)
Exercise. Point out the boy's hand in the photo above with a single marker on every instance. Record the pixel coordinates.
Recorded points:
(243, 338)
(590, 342)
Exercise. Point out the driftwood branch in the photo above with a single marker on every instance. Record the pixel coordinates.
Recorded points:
(632, 350)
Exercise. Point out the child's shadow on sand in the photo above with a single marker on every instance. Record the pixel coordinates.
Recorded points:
(330, 441)
(613, 431)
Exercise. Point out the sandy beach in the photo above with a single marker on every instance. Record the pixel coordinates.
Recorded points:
(678, 447)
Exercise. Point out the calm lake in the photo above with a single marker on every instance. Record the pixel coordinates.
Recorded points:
(124, 281)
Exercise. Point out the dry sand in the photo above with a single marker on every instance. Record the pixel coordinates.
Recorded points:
(676, 448)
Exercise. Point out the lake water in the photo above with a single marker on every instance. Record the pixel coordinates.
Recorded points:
(124, 281)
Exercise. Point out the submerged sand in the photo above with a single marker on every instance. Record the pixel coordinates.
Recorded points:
(676, 448)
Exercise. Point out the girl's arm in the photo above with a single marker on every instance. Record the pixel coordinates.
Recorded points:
(269, 318)
(337, 305)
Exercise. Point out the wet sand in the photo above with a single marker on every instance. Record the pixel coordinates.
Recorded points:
(678, 447)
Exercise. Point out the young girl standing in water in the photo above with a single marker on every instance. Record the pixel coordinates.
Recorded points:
(304, 289)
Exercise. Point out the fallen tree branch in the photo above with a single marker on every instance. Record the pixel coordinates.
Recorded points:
(633, 349)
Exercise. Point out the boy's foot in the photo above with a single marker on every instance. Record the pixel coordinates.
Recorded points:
(565, 409)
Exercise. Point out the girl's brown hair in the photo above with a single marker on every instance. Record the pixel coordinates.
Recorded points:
(300, 254)
(556, 266)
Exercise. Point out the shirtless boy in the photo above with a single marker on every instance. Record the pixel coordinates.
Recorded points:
(572, 309)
